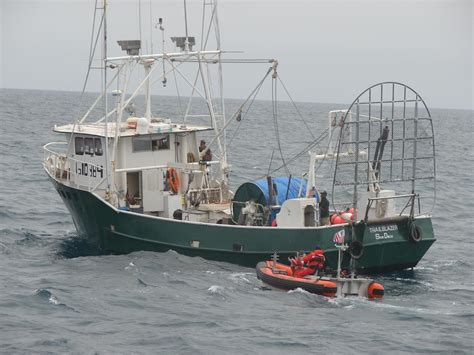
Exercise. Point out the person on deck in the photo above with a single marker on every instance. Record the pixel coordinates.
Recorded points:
(324, 210)
(130, 199)
(309, 264)
(207, 155)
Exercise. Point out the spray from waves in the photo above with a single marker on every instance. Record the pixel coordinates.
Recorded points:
(299, 290)
(241, 277)
(46, 295)
(77, 246)
(216, 290)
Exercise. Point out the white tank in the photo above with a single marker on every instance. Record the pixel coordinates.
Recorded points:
(382, 208)
(142, 125)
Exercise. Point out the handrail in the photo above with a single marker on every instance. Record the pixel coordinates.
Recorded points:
(140, 168)
(46, 146)
(59, 166)
(411, 201)
(180, 166)
(391, 197)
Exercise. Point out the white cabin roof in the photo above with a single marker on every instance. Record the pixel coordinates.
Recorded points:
(128, 129)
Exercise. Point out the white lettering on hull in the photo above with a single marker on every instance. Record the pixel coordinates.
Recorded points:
(381, 232)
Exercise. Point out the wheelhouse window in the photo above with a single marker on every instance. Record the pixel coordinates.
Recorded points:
(98, 146)
(141, 144)
(161, 143)
(146, 144)
(79, 143)
(89, 146)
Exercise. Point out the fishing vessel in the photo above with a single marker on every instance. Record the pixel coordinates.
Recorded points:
(144, 182)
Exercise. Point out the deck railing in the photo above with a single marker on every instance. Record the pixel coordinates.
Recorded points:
(61, 167)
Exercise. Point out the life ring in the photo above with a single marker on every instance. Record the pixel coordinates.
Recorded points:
(356, 249)
(415, 233)
(173, 179)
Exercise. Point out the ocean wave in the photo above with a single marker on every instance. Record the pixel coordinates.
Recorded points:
(240, 277)
(30, 239)
(45, 294)
(217, 290)
(75, 246)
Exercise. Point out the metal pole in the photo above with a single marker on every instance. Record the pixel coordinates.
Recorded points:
(186, 42)
(338, 262)
(106, 149)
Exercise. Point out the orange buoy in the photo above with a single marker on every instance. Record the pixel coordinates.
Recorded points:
(337, 220)
(375, 290)
(173, 179)
(274, 223)
(347, 216)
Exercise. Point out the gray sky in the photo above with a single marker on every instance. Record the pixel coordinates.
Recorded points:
(329, 51)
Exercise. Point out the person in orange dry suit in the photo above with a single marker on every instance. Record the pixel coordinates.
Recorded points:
(308, 264)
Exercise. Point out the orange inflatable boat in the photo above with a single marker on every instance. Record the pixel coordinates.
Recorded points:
(281, 276)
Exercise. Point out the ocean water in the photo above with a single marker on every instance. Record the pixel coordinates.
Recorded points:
(58, 296)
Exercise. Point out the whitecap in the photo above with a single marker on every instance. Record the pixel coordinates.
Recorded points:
(299, 290)
(130, 265)
(240, 276)
(216, 289)
(53, 299)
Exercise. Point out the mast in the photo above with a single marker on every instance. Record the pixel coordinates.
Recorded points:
(147, 64)
(186, 40)
(223, 163)
(106, 124)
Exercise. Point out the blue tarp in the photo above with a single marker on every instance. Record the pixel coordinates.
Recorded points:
(281, 186)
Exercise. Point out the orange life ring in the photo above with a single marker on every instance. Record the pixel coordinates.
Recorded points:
(173, 179)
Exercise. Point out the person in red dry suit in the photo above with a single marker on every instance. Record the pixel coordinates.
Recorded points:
(308, 264)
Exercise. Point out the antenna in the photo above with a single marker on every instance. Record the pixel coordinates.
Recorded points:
(151, 29)
(140, 18)
(186, 42)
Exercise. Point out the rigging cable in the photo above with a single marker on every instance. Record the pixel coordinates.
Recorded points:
(177, 91)
(296, 107)
(140, 19)
(318, 140)
(275, 119)
(151, 27)
(240, 114)
(270, 165)
(92, 47)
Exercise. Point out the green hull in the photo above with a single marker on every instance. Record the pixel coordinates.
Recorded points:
(386, 246)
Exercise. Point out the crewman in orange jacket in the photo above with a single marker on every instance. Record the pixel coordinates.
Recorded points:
(309, 263)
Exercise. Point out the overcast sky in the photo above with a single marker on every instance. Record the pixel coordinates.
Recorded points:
(329, 51)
